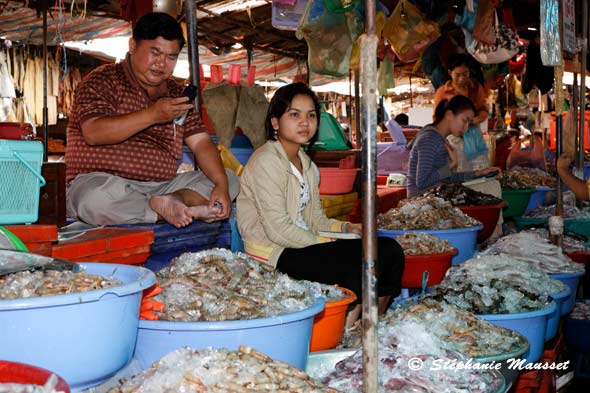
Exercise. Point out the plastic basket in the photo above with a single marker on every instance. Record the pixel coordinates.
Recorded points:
(328, 325)
(20, 180)
(518, 200)
(581, 226)
(487, 214)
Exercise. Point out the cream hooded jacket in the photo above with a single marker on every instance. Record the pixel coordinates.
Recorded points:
(268, 202)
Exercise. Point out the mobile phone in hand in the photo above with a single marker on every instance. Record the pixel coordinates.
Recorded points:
(190, 91)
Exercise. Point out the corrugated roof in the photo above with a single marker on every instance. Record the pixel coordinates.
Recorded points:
(19, 23)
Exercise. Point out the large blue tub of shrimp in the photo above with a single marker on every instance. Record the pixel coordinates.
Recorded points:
(571, 280)
(85, 337)
(532, 325)
(283, 337)
(463, 239)
(561, 300)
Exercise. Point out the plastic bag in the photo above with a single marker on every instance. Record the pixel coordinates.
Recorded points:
(409, 32)
(329, 38)
(385, 79)
(505, 47)
(534, 158)
(550, 37)
(473, 143)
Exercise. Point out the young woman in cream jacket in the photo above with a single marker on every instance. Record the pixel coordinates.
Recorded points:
(280, 213)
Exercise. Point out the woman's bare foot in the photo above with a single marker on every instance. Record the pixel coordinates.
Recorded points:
(204, 213)
(171, 209)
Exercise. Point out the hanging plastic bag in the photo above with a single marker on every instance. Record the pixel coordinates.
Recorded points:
(473, 143)
(505, 47)
(534, 158)
(328, 38)
(409, 32)
(385, 78)
(550, 37)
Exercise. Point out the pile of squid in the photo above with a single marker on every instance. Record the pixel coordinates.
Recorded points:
(218, 285)
(569, 212)
(220, 371)
(455, 329)
(427, 213)
(459, 195)
(417, 243)
(496, 284)
(412, 359)
(532, 247)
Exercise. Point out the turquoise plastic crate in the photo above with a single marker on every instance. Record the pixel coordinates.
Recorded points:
(20, 181)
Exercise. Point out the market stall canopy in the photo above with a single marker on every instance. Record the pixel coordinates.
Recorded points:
(21, 23)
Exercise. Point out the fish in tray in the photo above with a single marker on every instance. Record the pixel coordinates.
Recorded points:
(218, 285)
(455, 329)
(28, 284)
(532, 247)
(427, 212)
(221, 371)
(413, 358)
(497, 284)
(518, 178)
(460, 195)
(416, 243)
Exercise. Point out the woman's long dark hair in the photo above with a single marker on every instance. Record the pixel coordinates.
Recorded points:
(457, 104)
(280, 103)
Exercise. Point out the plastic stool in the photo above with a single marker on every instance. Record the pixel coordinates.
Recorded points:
(236, 240)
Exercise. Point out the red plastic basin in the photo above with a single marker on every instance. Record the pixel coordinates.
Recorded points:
(436, 264)
(336, 180)
(13, 372)
(488, 215)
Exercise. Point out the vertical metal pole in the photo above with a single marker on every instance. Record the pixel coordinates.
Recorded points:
(557, 237)
(583, 85)
(368, 72)
(575, 112)
(357, 110)
(190, 12)
(44, 5)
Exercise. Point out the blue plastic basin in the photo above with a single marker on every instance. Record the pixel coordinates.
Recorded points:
(532, 325)
(85, 337)
(561, 300)
(538, 197)
(242, 153)
(576, 334)
(284, 337)
(571, 280)
(463, 239)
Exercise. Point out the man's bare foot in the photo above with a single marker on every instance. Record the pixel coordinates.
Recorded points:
(204, 213)
(171, 209)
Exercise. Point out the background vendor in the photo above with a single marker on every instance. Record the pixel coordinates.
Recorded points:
(124, 146)
(432, 159)
(474, 156)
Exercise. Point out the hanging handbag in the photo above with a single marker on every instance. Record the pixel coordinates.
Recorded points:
(505, 47)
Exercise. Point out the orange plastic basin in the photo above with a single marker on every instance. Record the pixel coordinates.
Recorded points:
(488, 215)
(329, 324)
(436, 264)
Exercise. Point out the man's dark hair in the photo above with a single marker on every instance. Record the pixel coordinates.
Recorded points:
(158, 24)
(402, 119)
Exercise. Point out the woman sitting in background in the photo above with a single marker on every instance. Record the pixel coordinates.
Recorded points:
(280, 214)
(432, 159)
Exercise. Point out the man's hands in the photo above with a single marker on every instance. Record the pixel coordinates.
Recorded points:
(220, 201)
(168, 109)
